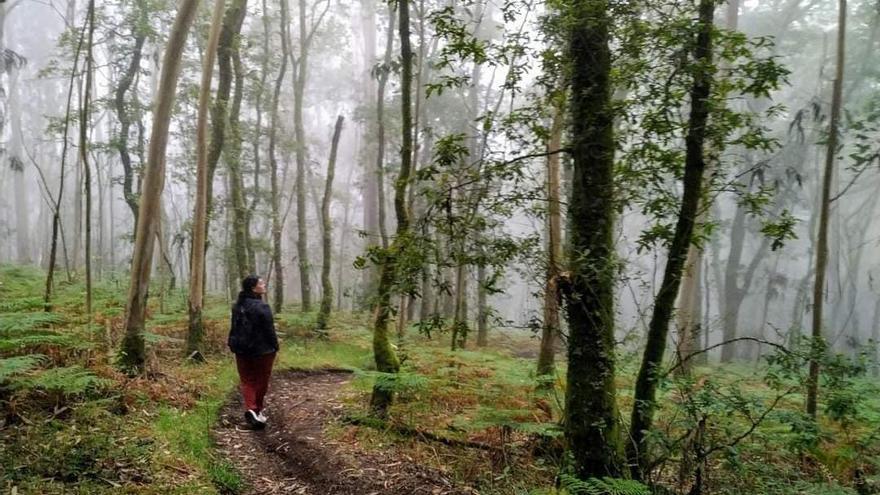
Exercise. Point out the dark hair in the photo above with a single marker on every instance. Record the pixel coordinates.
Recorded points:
(247, 287)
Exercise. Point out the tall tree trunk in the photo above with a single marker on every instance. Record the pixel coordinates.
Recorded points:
(591, 424)
(22, 226)
(386, 359)
(550, 329)
(818, 345)
(238, 205)
(649, 373)
(84, 156)
(327, 232)
(370, 201)
(278, 294)
(133, 354)
(646, 383)
(200, 214)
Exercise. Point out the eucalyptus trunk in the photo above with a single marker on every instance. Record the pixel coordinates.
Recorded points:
(133, 354)
(196, 332)
(84, 155)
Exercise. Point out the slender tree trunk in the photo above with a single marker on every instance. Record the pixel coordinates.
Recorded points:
(299, 86)
(200, 214)
(482, 307)
(370, 201)
(326, 284)
(343, 241)
(56, 216)
(226, 49)
(124, 117)
(386, 359)
(592, 429)
(818, 345)
(22, 226)
(84, 156)
(278, 294)
(550, 329)
(258, 137)
(380, 131)
(459, 320)
(133, 354)
(658, 329)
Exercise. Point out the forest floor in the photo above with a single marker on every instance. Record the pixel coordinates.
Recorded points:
(465, 421)
(293, 455)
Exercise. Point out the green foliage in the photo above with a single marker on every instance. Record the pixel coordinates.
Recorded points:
(18, 323)
(603, 486)
(400, 382)
(70, 380)
(19, 364)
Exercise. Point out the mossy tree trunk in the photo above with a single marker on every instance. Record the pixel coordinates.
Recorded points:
(592, 430)
(327, 232)
(386, 360)
(133, 354)
(200, 213)
(645, 403)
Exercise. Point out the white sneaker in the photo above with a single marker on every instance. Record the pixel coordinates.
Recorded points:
(261, 417)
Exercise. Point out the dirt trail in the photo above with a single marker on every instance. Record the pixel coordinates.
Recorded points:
(292, 455)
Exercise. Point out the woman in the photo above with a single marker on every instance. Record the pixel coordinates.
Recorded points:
(253, 340)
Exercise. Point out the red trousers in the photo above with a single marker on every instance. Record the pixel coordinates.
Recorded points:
(254, 373)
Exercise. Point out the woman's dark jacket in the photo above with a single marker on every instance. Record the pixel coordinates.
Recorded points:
(252, 330)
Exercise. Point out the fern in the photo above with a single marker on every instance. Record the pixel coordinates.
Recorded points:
(18, 364)
(71, 380)
(31, 341)
(18, 323)
(21, 304)
(603, 486)
(396, 382)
